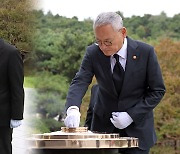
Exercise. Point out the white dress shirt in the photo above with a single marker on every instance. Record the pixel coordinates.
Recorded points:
(122, 56)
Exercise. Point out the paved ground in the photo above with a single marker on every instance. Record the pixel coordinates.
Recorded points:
(20, 134)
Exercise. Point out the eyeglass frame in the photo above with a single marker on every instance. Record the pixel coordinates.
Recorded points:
(107, 42)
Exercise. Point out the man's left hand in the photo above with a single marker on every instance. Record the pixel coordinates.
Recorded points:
(15, 123)
(121, 120)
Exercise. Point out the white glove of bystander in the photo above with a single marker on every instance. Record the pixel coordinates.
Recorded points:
(121, 120)
(72, 119)
(15, 123)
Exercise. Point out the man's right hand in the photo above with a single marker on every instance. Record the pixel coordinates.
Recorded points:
(72, 119)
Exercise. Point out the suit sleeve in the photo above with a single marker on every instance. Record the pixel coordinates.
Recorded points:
(154, 93)
(80, 83)
(16, 79)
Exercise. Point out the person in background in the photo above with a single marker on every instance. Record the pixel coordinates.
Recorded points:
(130, 84)
(11, 94)
(93, 99)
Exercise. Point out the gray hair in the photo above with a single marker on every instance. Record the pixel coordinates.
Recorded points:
(111, 18)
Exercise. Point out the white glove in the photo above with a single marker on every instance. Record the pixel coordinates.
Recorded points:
(121, 119)
(15, 123)
(72, 119)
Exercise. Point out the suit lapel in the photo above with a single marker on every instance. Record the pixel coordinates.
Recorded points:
(106, 66)
(132, 59)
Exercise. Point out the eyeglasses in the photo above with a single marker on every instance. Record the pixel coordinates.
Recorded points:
(106, 43)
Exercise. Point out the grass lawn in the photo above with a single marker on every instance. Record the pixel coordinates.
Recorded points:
(29, 81)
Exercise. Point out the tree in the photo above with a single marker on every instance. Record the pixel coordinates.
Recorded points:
(15, 23)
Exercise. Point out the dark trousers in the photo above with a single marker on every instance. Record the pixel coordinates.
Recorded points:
(5, 140)
(129, 150)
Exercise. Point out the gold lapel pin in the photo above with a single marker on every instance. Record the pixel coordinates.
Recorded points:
(134, 57)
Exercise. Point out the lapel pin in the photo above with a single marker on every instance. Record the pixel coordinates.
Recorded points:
(134, 57)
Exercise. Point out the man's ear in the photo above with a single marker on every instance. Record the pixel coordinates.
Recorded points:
(124, 32)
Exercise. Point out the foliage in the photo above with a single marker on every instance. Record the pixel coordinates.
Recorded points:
(17, 28)
(151, 27)
(46, 102)
(51, 92)
(167, 114)
(29, 81)
(15, 23)
(37, 125)
(59, 48)
(164, 150)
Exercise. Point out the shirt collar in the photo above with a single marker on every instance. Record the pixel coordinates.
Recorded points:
(123, 51)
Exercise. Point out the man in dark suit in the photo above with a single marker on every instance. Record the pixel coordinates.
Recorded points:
(11, 94)
(130, 84)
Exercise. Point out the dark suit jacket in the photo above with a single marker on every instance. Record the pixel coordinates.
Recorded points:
(11, 84)
(142, 90)
(93, 100)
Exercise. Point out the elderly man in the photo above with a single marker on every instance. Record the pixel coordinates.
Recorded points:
(129, 80)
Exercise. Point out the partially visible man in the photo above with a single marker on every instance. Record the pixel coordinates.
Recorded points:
(11, 94)
(129, 80)
(93, 99)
